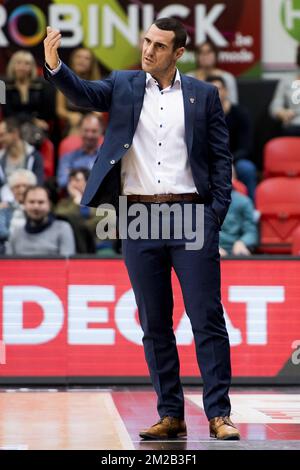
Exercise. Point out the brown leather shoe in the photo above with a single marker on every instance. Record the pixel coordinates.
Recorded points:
(167, 427)
(223, 428)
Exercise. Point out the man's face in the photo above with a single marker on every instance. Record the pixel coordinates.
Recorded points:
(90, 132)
(158, 54)
(6, 137)
(78, 182)
(19, 188)
(37, 204)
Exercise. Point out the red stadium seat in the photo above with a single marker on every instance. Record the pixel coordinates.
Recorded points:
(278, 201)
(47, 152)
(70, 143)
(296, 242)
(282, 157)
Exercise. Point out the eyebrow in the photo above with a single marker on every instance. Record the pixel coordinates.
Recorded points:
(157, 43)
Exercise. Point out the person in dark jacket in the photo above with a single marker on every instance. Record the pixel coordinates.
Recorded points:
(28, 97)
(166, 142)
(240, 136)
(16, 153)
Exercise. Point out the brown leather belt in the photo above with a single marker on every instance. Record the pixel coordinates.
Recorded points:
(161, 198)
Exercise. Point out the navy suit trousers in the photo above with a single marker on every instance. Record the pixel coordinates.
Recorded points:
(149, 264)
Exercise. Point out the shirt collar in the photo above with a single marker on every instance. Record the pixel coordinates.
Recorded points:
(151, 80)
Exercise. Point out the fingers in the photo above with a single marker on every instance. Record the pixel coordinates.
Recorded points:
(52, 41)
(52, 35)
(52, 30)
(53, 44)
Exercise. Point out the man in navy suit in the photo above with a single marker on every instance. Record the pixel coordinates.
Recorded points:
(166, 142)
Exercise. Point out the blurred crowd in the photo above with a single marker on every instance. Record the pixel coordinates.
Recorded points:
(48, 147)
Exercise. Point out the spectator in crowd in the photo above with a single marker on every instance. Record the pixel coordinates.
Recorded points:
(12, 214)
(15, 154)
(83, 219)
(42, 234)
(284, 107)
(28, 97)
(240, 135)
(239, 234)
(91, 132)
(206, 56)
(84, 64)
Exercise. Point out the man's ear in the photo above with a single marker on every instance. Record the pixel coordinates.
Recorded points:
(179, 52)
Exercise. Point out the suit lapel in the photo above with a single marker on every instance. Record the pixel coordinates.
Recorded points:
(138, 85)
(189, 100)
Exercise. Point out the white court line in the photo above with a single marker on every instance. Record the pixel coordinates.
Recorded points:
(259, 408)
(14, 447)
(118, 423)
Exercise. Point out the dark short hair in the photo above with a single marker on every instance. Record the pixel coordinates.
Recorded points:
(34, 188)
(12, 124)
(216, 78)
(210, 43)
(172, 24)
(84, 171)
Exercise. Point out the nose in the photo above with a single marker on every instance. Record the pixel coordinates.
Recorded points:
(149, 50)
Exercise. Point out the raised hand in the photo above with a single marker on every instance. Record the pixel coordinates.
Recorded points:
(51, 44)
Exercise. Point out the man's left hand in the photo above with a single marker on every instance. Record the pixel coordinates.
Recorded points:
(239, 249)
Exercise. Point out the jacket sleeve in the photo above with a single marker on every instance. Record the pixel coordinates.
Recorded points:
(220, 157)
(38, 167)
(10, 245)
(279, 99)
(244, 135)
(249, 227)
(63, 170)
(94, 95)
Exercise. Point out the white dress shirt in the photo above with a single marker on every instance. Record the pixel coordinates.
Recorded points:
(157, 161)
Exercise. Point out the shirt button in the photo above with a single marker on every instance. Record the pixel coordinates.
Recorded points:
(158, 181)
(112, 162)
(126, 146)
(162, 92)
(159, 144)
(158, 163)
(161, 108)
(160, 125)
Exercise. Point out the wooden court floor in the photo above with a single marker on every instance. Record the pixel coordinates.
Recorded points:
(110, 419)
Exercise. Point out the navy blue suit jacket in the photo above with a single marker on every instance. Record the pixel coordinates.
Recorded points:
(121, 94)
